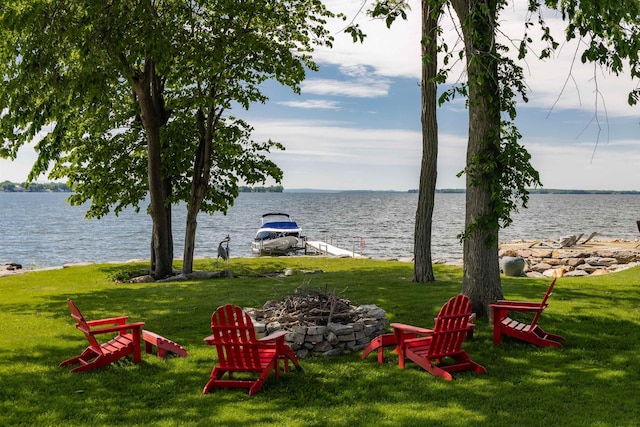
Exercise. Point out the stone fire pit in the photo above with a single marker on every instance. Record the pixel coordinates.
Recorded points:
(319, 323)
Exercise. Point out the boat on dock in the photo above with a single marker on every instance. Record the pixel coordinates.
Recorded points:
(278, 235)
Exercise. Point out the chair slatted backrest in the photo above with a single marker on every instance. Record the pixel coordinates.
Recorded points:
(543, 303)
(451, 327)
(235, 338)
(82, 325)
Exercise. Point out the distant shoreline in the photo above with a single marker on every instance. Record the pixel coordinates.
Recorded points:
(611, 245)
(554, 191)
(57, 187)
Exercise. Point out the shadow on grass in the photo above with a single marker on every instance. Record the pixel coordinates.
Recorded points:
(590, 381)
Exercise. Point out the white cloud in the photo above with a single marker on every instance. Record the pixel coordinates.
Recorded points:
(391, 52)
(558, 83)
(338, 156)
(372, 89)
(357, 81)
(323, 104)
(335, 155)
(583, 165)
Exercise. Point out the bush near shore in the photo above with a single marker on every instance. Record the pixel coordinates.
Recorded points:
(592, 381)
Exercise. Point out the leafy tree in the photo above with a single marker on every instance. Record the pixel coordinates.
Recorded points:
(8, 186)
(240, 47)
(132, 98)
(498, 169)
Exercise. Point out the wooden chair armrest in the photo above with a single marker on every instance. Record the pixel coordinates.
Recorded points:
(515, 307)
(411, 329)
(108, 321)
(118, 328)
(508, 302)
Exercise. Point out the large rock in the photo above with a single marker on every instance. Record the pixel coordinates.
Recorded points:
(623, 257)
(574, 262)
(513, 266)
(601, 261)
(11, 266)
(587, 268)
(576, 273)
(539, 253)
(541, 267)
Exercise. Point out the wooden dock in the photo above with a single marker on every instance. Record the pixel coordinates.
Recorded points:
(328, 249)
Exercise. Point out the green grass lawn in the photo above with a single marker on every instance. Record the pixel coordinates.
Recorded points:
(592, 381)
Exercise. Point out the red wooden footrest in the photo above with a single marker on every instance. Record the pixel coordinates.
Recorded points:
(163, 345)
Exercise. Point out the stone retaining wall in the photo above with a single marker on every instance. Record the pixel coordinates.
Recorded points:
(548, 262)
(329, 340)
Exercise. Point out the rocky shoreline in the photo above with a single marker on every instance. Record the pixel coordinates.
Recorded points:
(596, 257)
(11, 268)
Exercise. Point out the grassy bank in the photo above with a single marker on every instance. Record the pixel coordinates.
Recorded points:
(592, 381)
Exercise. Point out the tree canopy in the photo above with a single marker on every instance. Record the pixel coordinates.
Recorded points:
(131, 98)
(498, 169)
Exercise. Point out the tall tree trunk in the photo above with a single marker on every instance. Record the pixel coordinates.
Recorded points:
(167, 208)
(423, 266)
(148, 88)
(162, 241)
(189, 241)
(199, 185)
(193, 208)
(481, 281)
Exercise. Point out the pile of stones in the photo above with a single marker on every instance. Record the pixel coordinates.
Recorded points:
(320, 324)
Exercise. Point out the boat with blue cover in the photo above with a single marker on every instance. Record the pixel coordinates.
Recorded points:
(278, 235)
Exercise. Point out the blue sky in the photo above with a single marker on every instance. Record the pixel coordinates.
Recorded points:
(356, 124)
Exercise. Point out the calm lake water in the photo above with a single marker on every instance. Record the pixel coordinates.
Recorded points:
(42, 230)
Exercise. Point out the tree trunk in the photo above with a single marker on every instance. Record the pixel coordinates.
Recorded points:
(189, 241)
(423, 266)
(160, 211)
(199, 185)
(193, 208)
(149, 93)
(481, 281)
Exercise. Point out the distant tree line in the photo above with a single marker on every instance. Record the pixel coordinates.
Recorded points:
(553, 191)
(545, 191)
(271, 189)
(34, 187)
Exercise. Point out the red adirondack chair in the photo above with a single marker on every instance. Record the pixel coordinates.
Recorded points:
(240, 351)
(528, 332)
(126, 341)
(441, 344)
(387, 340)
